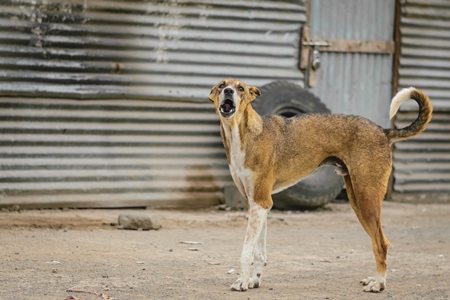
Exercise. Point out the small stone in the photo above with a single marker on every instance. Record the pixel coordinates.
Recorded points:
(54, 262)
(142, 221)
(222, 207)
(191, 243)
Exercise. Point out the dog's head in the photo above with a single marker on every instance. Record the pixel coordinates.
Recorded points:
(232, 96)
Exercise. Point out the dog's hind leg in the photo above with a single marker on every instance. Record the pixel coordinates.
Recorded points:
(260, 258)
(367, 205)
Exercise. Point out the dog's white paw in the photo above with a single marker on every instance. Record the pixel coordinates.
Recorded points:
(374, 284)
(240, 285)
(255, 282)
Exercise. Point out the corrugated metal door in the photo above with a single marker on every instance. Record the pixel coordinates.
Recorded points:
(422, 164)
(352, 82)
(115, 152)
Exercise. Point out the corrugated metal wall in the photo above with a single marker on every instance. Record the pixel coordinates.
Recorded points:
(422, 164)
(144, 49)
(106, 153)
(354, 83)
(115, 152)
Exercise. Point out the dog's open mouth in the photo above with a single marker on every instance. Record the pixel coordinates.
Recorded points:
(227, 108)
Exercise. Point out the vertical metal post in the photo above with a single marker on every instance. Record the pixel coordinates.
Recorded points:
(304, 57)
(395, 72)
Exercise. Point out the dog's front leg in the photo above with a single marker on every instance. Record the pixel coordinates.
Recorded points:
(256, 223)
(260, 258)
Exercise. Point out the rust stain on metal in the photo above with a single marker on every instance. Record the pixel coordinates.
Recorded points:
(117, 68)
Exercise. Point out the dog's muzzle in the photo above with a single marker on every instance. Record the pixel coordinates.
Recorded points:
(227, 108)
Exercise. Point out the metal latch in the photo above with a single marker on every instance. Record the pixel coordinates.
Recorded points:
(315, 58)
(310, 60)
(315, 61)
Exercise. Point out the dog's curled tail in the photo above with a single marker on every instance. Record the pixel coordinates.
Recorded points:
(419, 125)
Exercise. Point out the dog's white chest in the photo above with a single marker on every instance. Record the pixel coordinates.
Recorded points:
(242, 176)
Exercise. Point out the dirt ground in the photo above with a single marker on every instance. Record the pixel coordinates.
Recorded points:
(53, 254)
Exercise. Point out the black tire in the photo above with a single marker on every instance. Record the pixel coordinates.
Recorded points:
(323, 185)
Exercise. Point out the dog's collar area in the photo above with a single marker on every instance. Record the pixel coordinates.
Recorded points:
(227, 108)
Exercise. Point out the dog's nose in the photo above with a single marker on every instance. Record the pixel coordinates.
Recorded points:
(228, 91)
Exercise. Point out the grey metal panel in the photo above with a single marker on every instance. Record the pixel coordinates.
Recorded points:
(352, 19)
(422, 164)
(354, 83)
(141, 49)
(358, 84)
(425, 50)
(107, 153)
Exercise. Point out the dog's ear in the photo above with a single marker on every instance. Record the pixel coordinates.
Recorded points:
(254, 92)
(213, 94)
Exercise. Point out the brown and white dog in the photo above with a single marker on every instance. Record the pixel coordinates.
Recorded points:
(269, 154)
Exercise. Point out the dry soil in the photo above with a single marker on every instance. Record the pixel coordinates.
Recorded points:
(77, 254)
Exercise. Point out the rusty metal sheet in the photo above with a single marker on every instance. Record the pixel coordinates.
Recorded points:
(145, 133)
(151, 50)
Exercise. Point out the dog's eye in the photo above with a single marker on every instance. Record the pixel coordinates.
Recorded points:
(241, 89)
(222, 85)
